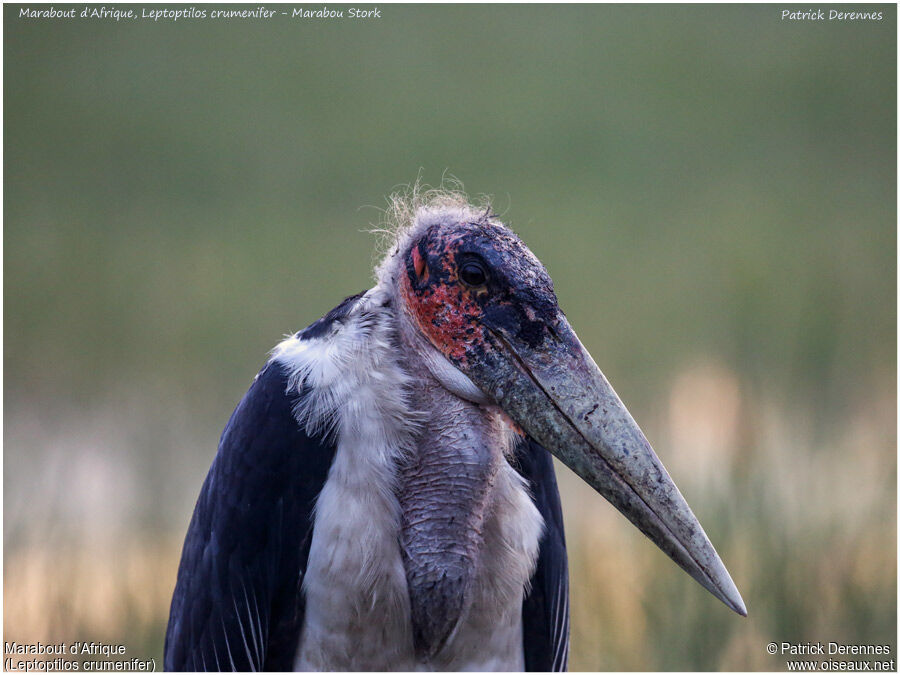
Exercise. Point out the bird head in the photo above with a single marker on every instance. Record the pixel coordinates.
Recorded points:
(486, 308)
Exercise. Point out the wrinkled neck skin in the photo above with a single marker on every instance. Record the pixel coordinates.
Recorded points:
(444, 489)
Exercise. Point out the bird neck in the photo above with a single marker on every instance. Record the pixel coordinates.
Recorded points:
(444, 491)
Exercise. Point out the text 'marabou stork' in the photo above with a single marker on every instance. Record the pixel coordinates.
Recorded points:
(383, 497)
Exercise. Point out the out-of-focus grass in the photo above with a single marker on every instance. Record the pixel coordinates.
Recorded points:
(713, 191)
(117, 593)
(808, 532)
(807, 529)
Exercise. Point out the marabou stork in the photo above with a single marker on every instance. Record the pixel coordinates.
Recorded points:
(383, 497)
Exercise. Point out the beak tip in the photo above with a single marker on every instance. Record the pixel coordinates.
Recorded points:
(739, 606)
(716, 579)
(730, 595)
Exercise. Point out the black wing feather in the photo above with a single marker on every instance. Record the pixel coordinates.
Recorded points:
(237, 603)
(545, 611)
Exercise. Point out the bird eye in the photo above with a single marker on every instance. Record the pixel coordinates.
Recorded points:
(473, 273)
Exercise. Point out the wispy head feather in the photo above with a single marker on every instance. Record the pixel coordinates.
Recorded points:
(414, 208)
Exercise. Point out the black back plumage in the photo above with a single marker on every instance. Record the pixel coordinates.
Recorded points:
(545, 612)
(237, 603)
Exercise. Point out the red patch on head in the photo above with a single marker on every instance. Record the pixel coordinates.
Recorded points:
(418, 263)
(443, 309)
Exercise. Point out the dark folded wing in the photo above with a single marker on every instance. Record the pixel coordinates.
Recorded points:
(237, 603)
(545, 611)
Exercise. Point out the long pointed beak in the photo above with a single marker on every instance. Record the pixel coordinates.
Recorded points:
(563, 401)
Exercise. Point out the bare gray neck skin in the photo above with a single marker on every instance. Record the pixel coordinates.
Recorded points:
(444, 490)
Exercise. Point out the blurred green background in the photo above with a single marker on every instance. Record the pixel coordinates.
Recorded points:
(712, 189)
